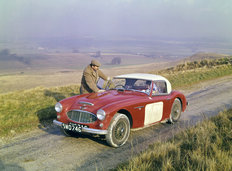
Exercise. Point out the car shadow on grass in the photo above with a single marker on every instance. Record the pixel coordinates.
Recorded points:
(4, 166)
(56, 95)
(48, 114)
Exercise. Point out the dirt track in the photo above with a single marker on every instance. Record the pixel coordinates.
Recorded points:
(49, 149)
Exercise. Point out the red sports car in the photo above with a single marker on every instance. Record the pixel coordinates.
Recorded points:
(129, 101)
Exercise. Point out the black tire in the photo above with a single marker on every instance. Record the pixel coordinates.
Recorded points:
(118, 131)
(176, 111)
(68, 133)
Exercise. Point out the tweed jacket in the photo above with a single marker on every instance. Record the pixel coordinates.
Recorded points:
(89, 80)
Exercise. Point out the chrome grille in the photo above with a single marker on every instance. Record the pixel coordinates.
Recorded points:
(81, 116)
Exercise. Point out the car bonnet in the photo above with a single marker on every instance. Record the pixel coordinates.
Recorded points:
(95, 101)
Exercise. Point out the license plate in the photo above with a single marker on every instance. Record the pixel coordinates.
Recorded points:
(73, 127)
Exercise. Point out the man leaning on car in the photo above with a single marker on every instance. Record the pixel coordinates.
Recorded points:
(90, 77)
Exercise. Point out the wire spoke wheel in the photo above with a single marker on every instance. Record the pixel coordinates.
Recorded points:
(118, 131)
(176, 111)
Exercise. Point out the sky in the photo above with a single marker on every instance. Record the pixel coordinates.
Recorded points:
(116, 18)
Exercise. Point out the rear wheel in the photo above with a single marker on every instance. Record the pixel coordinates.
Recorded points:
(176, 111)
(118, 131)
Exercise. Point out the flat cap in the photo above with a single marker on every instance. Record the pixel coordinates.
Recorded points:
(96, 63)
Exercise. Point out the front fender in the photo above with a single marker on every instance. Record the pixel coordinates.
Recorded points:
(181, 96)
(131, 109)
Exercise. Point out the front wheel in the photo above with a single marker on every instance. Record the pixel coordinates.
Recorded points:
(118, 131)
(68, 133)
(175, 112)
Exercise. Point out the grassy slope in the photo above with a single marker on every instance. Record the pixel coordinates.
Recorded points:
(207, 146)
(187, 74)
(190, 77)
(26, 109)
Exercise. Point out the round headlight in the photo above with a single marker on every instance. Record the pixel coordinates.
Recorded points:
(101, 114)
(58, 107)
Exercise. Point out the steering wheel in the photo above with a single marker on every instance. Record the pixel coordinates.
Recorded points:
(108, 84)
(119, 85)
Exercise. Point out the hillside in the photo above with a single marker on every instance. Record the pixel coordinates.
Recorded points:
(204, 56)
(11, 62)
(196, 64)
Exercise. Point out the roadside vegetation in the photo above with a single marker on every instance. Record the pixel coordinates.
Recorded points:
(27, 109)
(207, 146)
(189, 73)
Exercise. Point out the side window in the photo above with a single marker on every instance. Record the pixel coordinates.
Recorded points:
(139, 83)
(160, 87)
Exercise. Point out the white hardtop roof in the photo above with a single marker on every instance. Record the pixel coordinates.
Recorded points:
(142, 76)
(150, 77)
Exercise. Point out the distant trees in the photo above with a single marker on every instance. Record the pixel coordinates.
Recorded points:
(5, 55)
(75, 51)
(4, 52)
(97, 55)
(116, 61)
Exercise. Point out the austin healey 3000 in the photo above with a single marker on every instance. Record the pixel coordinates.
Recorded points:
(129, 101)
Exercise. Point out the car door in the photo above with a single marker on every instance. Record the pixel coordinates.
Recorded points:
(154, 110)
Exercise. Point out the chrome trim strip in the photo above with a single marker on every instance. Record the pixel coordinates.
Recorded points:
(86, 130)
(81, 111)
(86, 103)
(139, 107)
(57, 123)
(94, 131)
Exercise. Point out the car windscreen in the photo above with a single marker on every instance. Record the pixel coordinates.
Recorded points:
(131, 84)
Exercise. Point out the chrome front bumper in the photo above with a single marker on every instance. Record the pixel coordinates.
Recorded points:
(85, 130)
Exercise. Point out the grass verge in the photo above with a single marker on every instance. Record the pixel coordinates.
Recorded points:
(185, 75)
(27, 109)
(190, 77)
(207, 146)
